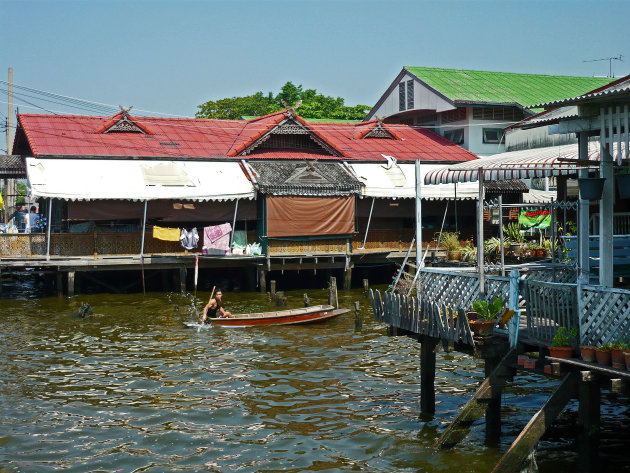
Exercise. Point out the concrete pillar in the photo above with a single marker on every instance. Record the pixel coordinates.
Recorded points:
(606, 205)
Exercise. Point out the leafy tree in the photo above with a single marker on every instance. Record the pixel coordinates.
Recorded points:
(314, 105)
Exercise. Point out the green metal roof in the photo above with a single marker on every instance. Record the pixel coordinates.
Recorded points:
(314, 120)
(504, 87)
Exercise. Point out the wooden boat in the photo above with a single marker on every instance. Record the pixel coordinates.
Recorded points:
(306, 315)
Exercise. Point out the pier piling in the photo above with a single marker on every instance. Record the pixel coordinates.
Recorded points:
(427, 374)
(70, 283)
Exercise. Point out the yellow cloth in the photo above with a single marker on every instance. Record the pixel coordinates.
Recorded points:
(167, 234)
(1, 202)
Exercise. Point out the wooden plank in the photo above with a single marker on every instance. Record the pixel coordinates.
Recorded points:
(537, 426)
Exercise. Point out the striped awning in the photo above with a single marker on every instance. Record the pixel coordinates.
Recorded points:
(525, 164)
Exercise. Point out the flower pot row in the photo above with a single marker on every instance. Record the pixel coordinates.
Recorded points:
(619, 358)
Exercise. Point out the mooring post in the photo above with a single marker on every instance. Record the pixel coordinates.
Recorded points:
(588, 419)
(70, 283)
(273, 288)
(182, 279)
(332, 292)
(59, 284)
(262, 279)
(358, 323)
(427, 374)
(306, 303)
(366, 287)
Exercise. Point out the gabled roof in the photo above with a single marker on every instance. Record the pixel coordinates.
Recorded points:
(468, 86)
(618, 88)
(175, 138)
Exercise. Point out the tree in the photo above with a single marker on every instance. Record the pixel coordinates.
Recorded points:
(314, 105)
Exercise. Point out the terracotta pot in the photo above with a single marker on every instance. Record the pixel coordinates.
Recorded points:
(522, 359)
(627, 356)
(588, 353)
(530, 364)
(454, 255)
(547, 369)
(561, 352)
(617, 358)
(602, 356)
(482, 328)
(540, 252)
(472, 316)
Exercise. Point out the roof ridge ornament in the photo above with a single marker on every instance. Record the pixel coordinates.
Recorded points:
(124, 124)
(291, 111)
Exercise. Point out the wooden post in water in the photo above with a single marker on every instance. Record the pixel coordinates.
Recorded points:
(59, 284)
(366, 287)
(262, 279)
(273, 288)
(358, 323)
(427, 374)
(588, 420)
(70, 283)
(347, 278)
(306, 302)
(332, 293)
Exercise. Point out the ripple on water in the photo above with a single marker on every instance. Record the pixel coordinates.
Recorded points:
(129, 389)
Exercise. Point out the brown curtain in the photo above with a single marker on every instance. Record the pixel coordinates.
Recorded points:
(105, 210)
(309, 216)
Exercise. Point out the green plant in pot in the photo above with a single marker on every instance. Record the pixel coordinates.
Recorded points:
(561, 344)
(617, 349)
(450, 242)
(602, 353)
(469, 253)
(484, 314)
(512, 234)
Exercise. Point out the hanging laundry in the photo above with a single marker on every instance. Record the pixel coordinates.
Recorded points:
(189, 239)
(217, 237)
(166, 234)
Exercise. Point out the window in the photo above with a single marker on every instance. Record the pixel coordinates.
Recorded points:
(456, 136)
(492, 135)
(401, 97)
(409, 94)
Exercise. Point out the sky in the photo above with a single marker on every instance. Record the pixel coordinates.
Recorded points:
(167, 57)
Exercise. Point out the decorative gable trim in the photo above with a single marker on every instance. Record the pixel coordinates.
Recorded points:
(375, 129)
(290, 125)
(124, 123)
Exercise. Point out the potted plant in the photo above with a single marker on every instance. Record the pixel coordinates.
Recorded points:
(561, 343)
(512, 234)
(469, 253)
(617, 349)
(450, 242)
(588, 353)
(591, 188)
(602, 354)
(484, 315)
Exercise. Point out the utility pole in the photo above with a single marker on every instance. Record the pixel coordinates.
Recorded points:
(7, 199)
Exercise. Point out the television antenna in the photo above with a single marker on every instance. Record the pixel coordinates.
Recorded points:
(610, 60)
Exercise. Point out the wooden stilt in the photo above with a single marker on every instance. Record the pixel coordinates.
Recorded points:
(332, 292)
(59, 284)
(477, 405)
(366, 287)
(70, 283)
(273, 288)
(537, 426)
(182, 279)
(347, 279)
(0, 281)
(358, 323)
(306, 302)
(427, 374)
(588, 419)
(262, 279)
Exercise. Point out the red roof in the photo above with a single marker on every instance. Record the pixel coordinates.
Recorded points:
(78, 135)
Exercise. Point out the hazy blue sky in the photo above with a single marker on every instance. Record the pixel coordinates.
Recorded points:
(171, 56)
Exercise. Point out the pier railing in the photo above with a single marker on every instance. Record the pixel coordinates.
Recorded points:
(604, 315)
(549, 306)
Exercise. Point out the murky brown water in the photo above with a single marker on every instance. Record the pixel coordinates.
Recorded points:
(129, 389)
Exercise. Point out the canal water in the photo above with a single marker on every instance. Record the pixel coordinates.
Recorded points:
(129, 389)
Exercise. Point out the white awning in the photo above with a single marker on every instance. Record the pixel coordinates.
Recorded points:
(92, 179)
(538, 162)
(399, 182)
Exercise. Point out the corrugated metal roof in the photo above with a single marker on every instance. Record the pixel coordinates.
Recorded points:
(503, 87)
(547, 117)
(304, 178)
(12, 166)
(509, 186)
(525, 164)
(621, 87)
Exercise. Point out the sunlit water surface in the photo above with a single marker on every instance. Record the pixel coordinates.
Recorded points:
(130, 389)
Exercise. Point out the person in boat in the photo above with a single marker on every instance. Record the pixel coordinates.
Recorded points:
(214, 308)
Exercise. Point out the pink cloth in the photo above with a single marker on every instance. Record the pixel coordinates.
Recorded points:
(217, 237)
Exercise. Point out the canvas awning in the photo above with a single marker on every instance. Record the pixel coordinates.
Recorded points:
(139, 180)
(525, 164)
(399, 182)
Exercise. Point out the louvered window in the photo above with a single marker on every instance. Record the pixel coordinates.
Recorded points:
(409, 94)
(401, 97)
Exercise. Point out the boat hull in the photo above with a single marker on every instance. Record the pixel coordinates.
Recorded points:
(307, 315)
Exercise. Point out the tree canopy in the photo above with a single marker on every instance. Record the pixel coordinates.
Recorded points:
(314, 105)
